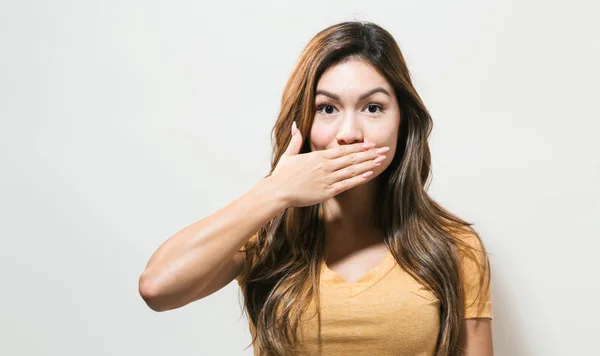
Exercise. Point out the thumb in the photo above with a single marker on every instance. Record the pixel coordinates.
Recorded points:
(295, 143)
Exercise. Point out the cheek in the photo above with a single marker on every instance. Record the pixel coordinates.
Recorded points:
(321, 136)
(390, 141)
(383, 136)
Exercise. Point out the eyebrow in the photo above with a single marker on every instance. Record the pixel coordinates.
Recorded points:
(365, 95)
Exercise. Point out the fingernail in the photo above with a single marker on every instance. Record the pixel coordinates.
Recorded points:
(368, 145)
(382, 150)
(294, 128)
(379, 159)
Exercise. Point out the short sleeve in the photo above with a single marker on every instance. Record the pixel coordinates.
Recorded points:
(475, 279)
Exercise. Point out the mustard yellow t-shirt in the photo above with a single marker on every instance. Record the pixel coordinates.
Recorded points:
(385, 312)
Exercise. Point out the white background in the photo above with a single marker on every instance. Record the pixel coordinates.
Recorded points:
(124, 121)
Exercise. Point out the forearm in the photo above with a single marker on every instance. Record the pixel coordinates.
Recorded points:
(184, 261)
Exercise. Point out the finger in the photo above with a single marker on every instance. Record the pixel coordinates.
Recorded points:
(295, 144)
(340, 151)
(356, 169)
(356, 157)
(350, 183)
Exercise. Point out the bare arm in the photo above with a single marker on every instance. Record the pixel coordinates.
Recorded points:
(204, 257)
(476, 337)
(182, 267)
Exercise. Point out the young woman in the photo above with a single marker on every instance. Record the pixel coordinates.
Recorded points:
(340, 250)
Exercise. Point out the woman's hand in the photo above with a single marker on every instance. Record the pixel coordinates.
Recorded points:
(313, 177)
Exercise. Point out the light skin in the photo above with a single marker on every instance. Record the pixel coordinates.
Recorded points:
(475, 337)
(348, 114)
(341, 172)
(354, 104)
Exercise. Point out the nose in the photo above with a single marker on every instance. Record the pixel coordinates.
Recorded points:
(349, 131)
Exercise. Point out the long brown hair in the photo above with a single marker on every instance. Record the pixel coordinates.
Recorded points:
(281, 273)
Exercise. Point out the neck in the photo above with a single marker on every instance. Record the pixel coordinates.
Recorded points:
(349, 218)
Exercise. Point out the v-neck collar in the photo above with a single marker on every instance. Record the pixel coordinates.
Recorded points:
(369, 279)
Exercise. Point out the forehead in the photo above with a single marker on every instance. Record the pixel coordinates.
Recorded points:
(349, 76)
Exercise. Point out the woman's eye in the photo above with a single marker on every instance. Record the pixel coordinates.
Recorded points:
(329, 109)
(326, 106)
(375, 106)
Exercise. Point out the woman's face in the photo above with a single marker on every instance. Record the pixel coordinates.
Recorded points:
(355, 104)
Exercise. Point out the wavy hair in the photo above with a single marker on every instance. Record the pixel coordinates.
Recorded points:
(281, 271)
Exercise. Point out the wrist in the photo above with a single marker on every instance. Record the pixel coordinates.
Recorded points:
(273, 188)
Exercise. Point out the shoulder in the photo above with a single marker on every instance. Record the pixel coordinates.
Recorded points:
(468, 243)
(470, 249)
(475, 274)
